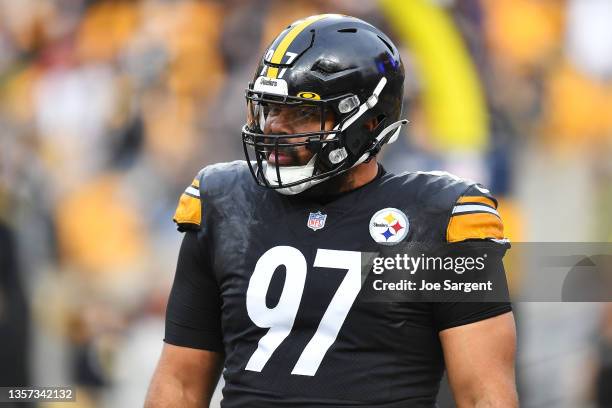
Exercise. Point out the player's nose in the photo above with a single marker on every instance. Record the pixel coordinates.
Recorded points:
(281, 128)
(278, 126)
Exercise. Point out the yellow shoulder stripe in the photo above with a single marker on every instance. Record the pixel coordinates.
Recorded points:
(474, 226)
(188, 211)
(477, 199)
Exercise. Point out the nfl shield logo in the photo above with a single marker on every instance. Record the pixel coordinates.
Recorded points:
(316, 221)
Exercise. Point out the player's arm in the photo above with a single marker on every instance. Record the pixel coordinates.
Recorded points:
(479, 337)
(184, 377)
(480, 362)
(192, 356)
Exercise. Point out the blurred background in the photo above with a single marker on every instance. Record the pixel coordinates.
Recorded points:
(109, 108)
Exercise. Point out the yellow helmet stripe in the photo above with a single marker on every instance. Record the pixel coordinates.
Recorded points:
(280, 51)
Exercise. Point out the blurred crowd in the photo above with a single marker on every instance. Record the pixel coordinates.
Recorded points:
(109, 107)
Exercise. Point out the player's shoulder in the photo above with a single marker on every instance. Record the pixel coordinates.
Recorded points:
(210, 183)
(219, 178)
(469, 209)
(439, 189)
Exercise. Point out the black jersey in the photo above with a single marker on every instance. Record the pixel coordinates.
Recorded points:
(275, 283)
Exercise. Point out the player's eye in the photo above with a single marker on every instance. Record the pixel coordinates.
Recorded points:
(308, 111)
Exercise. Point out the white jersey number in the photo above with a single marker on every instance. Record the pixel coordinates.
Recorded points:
(280, 318)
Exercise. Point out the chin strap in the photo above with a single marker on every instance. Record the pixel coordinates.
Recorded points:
(291, 174)
(382, 139)
(395, 127)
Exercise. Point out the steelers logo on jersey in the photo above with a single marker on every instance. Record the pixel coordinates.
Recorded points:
(389, 226)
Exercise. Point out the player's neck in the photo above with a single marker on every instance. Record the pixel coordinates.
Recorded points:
(360, 176)
(342, 184)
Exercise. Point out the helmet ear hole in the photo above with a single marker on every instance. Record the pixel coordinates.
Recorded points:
(381, 123)
(374, 124)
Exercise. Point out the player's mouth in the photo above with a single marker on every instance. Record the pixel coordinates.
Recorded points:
(281, 159)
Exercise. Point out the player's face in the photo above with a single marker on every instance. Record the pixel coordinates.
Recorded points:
(286, 120)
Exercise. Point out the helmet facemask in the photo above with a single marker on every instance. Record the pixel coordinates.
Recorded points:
(290, 160)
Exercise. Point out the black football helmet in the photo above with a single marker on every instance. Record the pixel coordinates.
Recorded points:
(317, 65)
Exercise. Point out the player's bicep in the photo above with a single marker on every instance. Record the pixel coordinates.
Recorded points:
(479, 360)
(189, 364)
(193, 315)
(475, 232)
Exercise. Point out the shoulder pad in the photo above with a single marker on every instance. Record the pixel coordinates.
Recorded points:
(219, 178)
(437, 189)
(210, 182)
(471, 210)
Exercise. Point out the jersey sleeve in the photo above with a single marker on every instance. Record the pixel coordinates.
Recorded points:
(188, 214)
(474, 216)
(475, 227)
(193, 315)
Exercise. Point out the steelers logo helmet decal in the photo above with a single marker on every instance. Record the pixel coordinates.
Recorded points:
(389, 226)
(308, 95)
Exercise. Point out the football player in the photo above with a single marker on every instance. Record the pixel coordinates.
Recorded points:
(268, 287)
